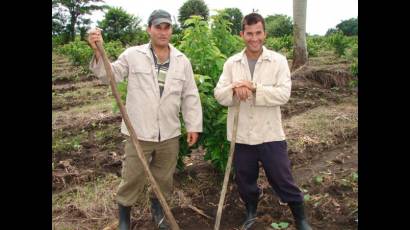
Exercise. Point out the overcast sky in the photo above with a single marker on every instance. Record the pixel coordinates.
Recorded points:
(321, 14)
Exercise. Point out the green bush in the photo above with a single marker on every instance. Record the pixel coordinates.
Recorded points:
(198, 45)
(316, 44)
(79, 52)
(207, 62)
(282, 45)
(213, 138)
(113, 49)
(338, 42)
(227, 43)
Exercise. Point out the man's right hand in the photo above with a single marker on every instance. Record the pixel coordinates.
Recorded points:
(242, 93)
(94, 35)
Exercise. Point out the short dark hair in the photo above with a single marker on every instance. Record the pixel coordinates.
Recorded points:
(252, 19)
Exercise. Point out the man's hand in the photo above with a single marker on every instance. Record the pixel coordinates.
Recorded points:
(192, 138)
(94, 35)
(247, 84)
(242, 89)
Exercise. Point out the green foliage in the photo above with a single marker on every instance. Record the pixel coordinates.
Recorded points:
(198, 45)
(227, 43)
(76, 9)
(113, 49)
(318, 179)
(119, 25)
(282, 45)
(192, 7)
(278, 25)
(339, 42)
(207, 62)
(316, 44)
(214, 135)
(331, 31)
(234, 16)
(78, 52)
(351, 54)
(280, 225)
(348, 27)
(176, 39)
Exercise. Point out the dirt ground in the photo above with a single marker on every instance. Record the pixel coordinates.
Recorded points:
(320, 121)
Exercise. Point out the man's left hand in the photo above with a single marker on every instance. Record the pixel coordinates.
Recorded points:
(247, 84)
(192, 138)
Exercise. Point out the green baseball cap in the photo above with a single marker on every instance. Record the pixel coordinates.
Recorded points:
(158, 17)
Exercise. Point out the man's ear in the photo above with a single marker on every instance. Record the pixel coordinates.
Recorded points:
(241, 33)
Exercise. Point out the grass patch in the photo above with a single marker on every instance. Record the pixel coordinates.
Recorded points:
(322, 126)
(90, 204)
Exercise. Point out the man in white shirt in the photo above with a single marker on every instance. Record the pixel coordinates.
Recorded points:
(260, 79)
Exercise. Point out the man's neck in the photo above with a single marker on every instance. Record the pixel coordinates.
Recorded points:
(253, 55)
(160, 49)
(162, 52)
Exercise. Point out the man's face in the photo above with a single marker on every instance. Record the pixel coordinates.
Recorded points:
(253, 36)
(160, 34)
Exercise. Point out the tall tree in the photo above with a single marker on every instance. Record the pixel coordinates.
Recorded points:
(234, 15)
(278, 25)
(119, 25)
(300, 54)
(77, 8)
(348, 27)
(193, 7)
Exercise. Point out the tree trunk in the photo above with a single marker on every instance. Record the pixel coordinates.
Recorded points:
(73, 21)
(300, 54)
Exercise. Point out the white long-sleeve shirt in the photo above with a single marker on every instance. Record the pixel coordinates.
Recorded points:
(152, 116)
(260, 116)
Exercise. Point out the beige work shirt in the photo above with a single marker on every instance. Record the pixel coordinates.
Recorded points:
(156, 118)
(260, 116)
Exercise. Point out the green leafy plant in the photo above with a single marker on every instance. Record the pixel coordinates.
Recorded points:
(78, 52)
(198, 45)
(339, 42)
(318, 179)
(227, 43)
(280, 225)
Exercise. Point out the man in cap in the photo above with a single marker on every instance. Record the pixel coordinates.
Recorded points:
(160, 85)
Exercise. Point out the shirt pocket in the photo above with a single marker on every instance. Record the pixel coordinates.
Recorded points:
(175, 83)
(141, 77)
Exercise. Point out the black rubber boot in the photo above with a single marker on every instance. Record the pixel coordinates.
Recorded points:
(125, 217)
(250, 215)
(158, 215)
(298, 211)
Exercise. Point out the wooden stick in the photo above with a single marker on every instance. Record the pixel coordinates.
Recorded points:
(141, 157)
(228, 168)
(199, 211)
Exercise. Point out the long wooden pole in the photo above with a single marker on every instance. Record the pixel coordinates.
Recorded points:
(141, 157)
(228, 168)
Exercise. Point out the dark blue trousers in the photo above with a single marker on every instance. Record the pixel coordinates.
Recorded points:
(275, 162)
